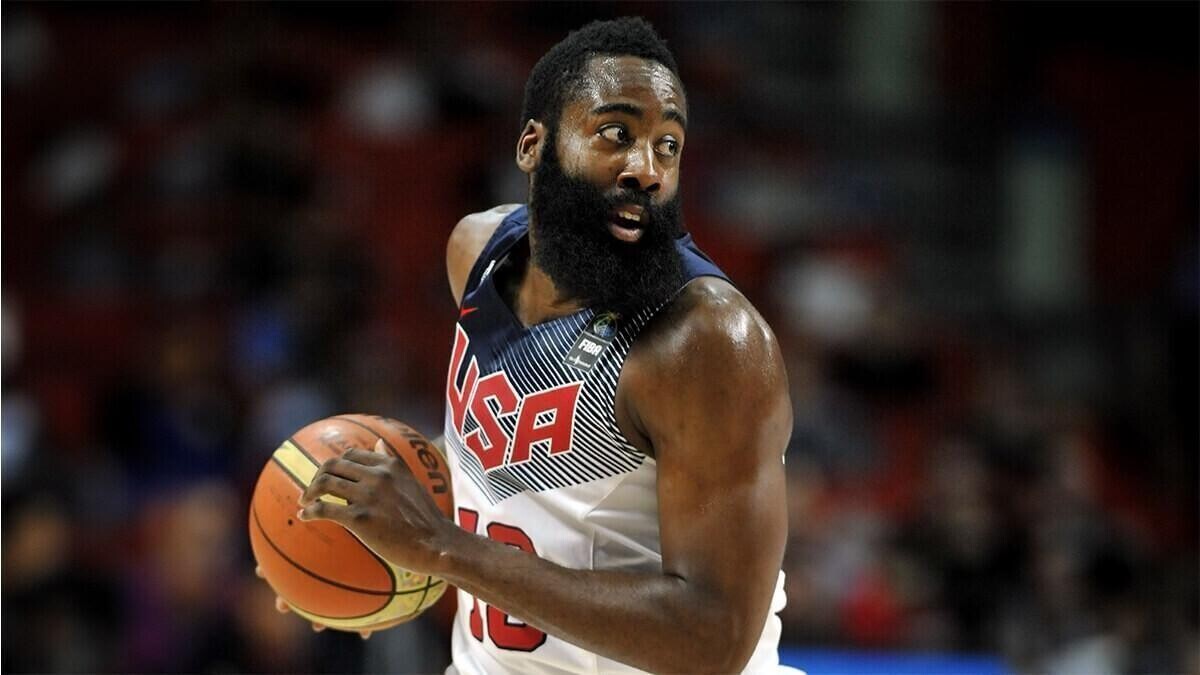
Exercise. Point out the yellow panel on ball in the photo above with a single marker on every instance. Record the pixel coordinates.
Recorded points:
(320, 568)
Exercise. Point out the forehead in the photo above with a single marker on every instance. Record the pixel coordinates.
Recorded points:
(614, 78)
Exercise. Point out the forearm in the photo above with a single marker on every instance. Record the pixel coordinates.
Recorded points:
(653, 621)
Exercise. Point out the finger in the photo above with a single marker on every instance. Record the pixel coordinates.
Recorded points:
(382, 450)
(281, 605)
(318, 627)
(323, 510)
(345, 466)
(367, 457)
(329, 484)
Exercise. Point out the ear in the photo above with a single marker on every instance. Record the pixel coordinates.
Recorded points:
(529, 146)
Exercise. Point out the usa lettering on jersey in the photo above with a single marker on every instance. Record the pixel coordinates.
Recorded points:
(545, 417)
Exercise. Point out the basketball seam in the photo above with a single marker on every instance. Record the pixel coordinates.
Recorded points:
(386, 566)
(394, 452)
(425, 593)
(318, 577)
(402, 618)
(391, 448)
(295, 479)
(429, 581)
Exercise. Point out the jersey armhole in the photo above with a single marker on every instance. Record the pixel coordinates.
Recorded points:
(496, 245)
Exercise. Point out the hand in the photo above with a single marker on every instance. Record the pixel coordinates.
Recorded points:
(283, 607)
(385, 507)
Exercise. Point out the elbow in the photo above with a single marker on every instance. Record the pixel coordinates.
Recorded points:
(735, 653)
(726, 646)
(716, 632)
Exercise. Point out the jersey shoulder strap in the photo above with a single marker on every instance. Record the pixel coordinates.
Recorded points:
(509, 232)
(696, 263)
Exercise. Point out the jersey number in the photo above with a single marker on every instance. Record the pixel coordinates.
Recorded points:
(502, 629)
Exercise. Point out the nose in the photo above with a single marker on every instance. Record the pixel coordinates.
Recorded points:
(641, 172)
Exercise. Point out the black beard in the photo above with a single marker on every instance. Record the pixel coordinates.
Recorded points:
(581, 256)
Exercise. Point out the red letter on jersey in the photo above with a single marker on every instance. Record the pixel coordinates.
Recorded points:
(560, 403)
(457, 398)
(497, 388)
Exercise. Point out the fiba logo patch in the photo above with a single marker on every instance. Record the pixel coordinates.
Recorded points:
(592, 341)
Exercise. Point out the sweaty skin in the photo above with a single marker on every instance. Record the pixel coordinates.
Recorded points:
(703, 390)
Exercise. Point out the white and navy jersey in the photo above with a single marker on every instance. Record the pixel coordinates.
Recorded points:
(538, 462)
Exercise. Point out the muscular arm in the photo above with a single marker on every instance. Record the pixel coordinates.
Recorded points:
(705, 391)
(711, 396)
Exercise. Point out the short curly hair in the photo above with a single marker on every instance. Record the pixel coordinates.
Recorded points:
(559, 73)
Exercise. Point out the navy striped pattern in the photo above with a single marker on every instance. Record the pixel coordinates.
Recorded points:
(532, 359)
(534, 362)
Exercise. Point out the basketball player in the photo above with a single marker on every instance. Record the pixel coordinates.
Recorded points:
(616, 410)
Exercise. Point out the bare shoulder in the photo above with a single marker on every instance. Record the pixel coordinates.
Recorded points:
(708, 317)
(708, 354)
(467, 240)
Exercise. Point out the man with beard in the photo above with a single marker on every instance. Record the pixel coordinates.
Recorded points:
(616, 411)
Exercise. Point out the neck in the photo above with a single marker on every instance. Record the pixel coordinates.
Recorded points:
(536, 299)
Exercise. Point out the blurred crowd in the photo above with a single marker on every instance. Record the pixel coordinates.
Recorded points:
(973, 227)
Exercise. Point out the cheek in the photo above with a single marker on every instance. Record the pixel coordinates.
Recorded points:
(571, 148)
(581, 155)
(670, 183)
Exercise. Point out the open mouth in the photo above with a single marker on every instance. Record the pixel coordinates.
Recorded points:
(625, 222)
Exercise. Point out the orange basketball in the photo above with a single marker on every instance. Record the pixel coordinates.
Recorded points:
(322, 570)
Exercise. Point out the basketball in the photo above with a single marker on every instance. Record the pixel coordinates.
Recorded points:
(320, 568)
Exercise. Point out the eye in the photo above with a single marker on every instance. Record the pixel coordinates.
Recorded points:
(615, 133)
(668, 147)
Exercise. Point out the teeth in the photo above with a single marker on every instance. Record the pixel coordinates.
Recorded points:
(630, 216)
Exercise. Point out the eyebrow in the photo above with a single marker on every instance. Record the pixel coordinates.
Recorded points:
(636, 111)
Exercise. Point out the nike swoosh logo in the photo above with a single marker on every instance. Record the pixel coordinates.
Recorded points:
(465, 311)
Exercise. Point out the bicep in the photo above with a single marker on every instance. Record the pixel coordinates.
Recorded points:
(719, 435)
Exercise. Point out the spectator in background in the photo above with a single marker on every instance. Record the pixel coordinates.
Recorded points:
(220, 222)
